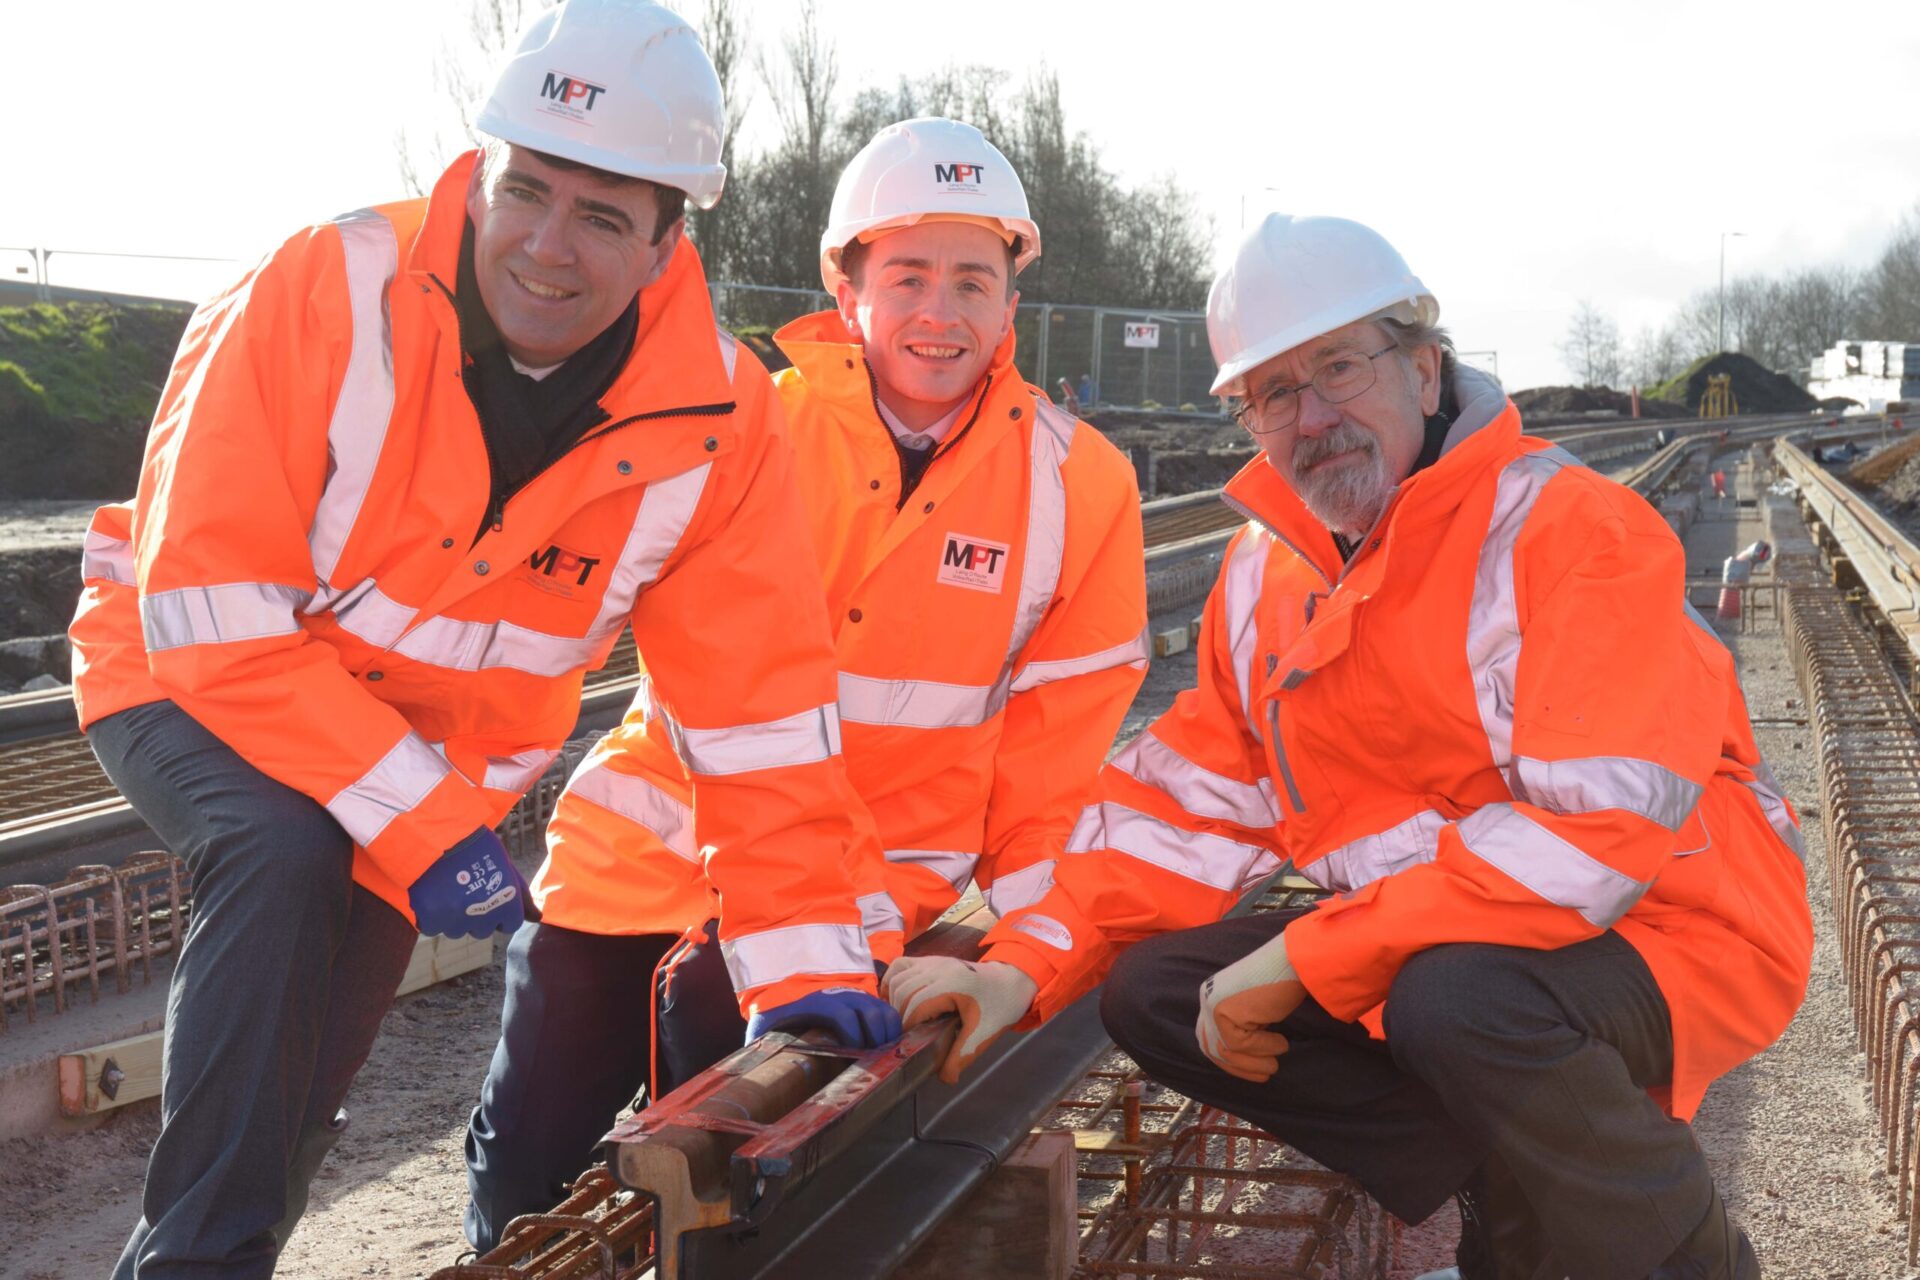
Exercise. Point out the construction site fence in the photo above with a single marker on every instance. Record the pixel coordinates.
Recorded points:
(1112, 357)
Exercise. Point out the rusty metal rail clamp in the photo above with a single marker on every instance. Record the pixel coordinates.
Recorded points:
(599, 1232)
(1869, 743)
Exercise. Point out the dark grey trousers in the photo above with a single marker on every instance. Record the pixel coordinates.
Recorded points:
(1540, 1057)
(287, 970)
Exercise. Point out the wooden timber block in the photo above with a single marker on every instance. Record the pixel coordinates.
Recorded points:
(1022, 1223)
(1168, 643)
(1193, 630)
(112, 1075)
(436, 959)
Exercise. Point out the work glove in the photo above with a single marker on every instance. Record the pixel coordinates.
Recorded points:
(1240, 1004)
(989, 997)
(854, 1018)
(472, 890)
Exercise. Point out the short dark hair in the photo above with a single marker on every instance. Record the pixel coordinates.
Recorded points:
(670, 202)
(853, 260)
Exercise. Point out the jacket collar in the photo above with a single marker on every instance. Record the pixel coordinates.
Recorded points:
(835, 366)
(676, 360)
(1486, 432)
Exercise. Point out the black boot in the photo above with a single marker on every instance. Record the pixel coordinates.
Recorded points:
(308, 1151)
(1717, 1250)
(1500, 1238)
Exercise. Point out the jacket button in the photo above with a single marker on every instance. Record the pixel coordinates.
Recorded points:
(1013, 413)
(376, 675)
(873, 484)
(853, 615)
(713, 442)
(849, 364)
(928, 507)
(624, 467)
(446, 543)
(480, 567)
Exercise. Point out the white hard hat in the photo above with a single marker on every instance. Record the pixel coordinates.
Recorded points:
(921, 170)
(1294, 279)
(621, 85)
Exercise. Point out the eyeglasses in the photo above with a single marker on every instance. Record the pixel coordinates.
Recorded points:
(1337, 381)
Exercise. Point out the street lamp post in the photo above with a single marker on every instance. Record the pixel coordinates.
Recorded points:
(1720, 337)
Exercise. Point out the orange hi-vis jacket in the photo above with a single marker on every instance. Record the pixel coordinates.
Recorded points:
(1499, 723)
(990, 635)
(299, 572)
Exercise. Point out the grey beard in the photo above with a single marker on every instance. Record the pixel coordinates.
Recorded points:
(1351, 498)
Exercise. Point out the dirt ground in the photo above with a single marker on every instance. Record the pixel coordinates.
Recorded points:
(1791, 1135)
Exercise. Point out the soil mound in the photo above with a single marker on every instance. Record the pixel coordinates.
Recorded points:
(78, 386)
(1756, 388)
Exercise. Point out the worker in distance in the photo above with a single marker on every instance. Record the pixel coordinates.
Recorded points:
(409, 479)
(980, 552)
(1451, 676)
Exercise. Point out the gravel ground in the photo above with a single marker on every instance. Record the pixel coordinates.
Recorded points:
(1790, 1135)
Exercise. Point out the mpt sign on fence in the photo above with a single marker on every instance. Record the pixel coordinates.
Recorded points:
(1143, 333)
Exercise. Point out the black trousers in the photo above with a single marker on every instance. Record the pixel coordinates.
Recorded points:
(1540, 1057)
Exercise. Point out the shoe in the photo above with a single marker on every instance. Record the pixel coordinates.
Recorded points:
(1716, 1250)
(1444, 1273)
(1500, 1238)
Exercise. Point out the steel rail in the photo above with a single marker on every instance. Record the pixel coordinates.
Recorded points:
(1885, 558)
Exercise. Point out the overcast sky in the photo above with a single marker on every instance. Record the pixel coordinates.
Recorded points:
(1522, 156)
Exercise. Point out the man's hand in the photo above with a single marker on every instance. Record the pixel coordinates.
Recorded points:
(472, 890)
(854, 1018)
(989, 997)
(1239, 1005)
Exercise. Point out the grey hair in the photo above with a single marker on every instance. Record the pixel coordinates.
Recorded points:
(1407, 337)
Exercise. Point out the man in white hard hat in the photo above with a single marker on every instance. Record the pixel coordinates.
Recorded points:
(1451, 676)
(981, 552)
(409, 480)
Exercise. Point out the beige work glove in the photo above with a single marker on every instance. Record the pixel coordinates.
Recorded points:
(1240, 1003)
(989, 997)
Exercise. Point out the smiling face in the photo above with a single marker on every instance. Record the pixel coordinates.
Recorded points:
(1344, 460)
(559, 252)
(931, 304)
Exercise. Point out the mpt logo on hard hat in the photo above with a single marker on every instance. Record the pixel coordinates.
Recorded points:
(563, 91)
(960, 176)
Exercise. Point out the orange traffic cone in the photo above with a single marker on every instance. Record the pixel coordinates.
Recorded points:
(1729, 609)
(1719, 484)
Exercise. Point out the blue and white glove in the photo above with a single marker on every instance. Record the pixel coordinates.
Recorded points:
(854, 1018)
(472, 890)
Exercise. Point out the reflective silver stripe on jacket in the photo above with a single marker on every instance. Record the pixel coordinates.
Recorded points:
(364, 407)
(1211, 860)
(400, 781)
(516, 772)
(1561, 872)
(1361, 862)
(219, 615)
(952, 866)
(773, 955)
(106, 559)
(805, 737)
(1128, 653)
(879, 914)
(1766, 789)
(1021, 888)
(918, 704)
(1246, 569)
(1493, 618)
(1592, 783)
(1201, 792)
(729, 350)
(638, 801)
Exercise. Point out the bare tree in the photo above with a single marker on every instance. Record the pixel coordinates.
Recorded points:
(460, 70)
(802, 82)
(1591, 347)
(1654, 356)
(1890, 294)
(719, 231)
